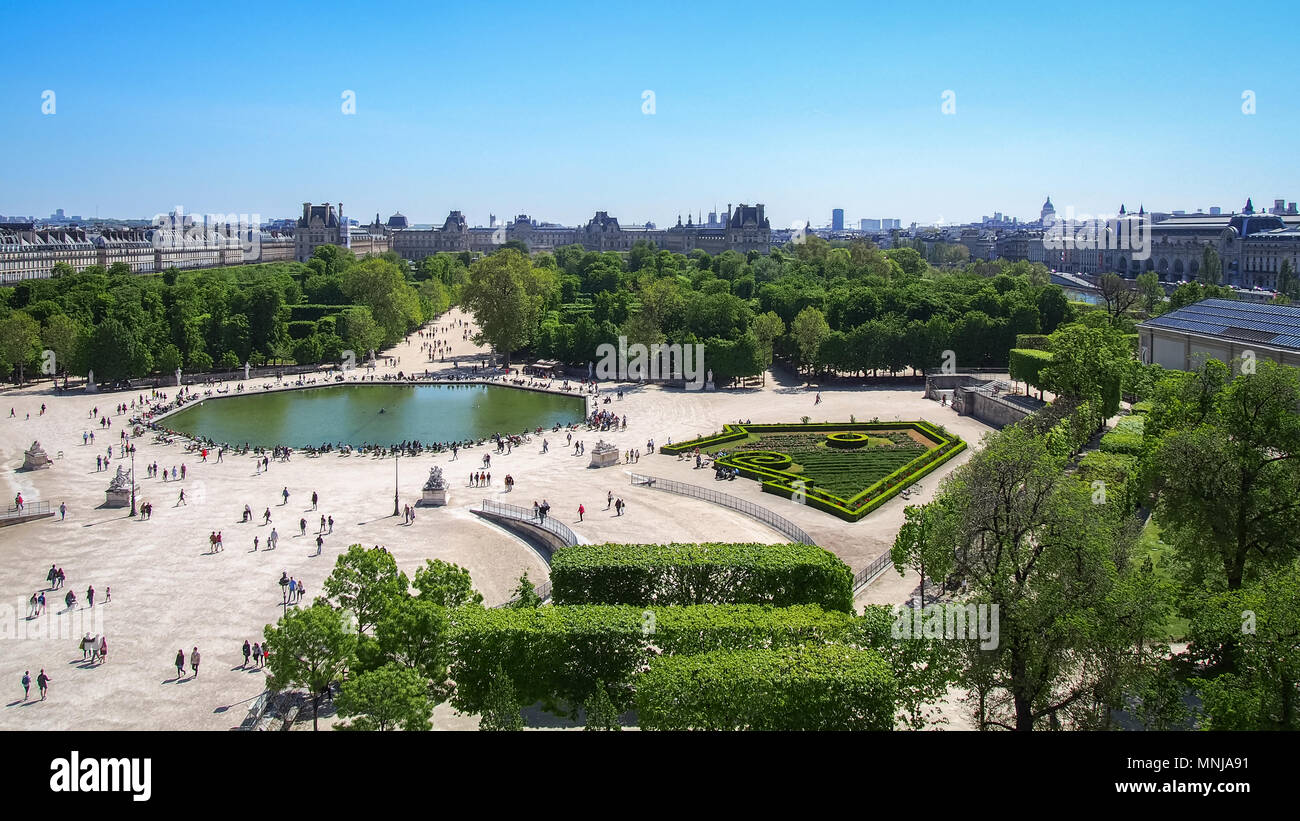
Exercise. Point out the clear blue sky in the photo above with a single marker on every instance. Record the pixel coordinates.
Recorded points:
(536, 108)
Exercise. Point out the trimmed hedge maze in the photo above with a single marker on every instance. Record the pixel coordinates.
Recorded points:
(847, 469)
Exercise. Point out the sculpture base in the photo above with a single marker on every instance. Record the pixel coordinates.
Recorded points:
(36, 462)
(117, 498)
(433, 498)
(603, 459)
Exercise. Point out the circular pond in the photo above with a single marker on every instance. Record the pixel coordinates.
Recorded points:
(375, 414)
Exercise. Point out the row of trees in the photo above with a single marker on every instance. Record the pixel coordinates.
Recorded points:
(847, 309)
(122, 325)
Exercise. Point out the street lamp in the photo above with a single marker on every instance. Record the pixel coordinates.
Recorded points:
(396, 454)
(132, 447)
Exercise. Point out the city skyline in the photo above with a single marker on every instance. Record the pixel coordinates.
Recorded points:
(549, 117)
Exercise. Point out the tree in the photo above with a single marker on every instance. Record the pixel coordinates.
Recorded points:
(1087, 363)
(504, 293)
(809, 331)
(445, 584)
(364, 582)
(1074, 609)
(358, 327)
(913, 547)
(1257, 685)
(385, 699)
(1227, 469)
(20, 342)
(381, 286)
(1287, 283)
(412, 633)
(601, 713)
(310, 648)
(63, 335)
(1118, 294)
(767, 327)
(500, 709)
(526, 594)
(1153, 293)
(1211, 272)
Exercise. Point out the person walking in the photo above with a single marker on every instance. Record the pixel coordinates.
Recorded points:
(180, 664)
(42, 683)
(27, 683)
(609, 499)
(331, 524)
(320, 543)
(314, 498)
(247, 650)
(285, 494)
(257, 654)
(180, 500)
(103, 649)
(581, 510)
(194, 661)
(302, 526)
(63, 511)
(90, 596)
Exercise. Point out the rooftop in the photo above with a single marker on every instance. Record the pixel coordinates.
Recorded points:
(1252, 322)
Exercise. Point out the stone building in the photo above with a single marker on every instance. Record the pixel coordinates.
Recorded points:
(27, 252)
(745, 229)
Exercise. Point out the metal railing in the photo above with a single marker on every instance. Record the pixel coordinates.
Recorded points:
(28, 509)
(543, 591)
(524, 514)
(778, 523)
(868, 574)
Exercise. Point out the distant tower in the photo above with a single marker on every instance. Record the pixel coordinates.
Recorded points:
(837, 219)
(1048, 214)
(1249, 209)
(345, 233)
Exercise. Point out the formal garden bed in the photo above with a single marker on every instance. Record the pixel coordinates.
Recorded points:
(847, 469)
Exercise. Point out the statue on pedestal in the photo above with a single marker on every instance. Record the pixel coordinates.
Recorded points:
(435, 488)
(35, 457)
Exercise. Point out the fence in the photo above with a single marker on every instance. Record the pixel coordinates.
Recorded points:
(28, 509)
(525, 514)
(869, 573)
(778, 523)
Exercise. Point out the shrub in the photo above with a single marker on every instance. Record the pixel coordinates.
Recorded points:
(1035, 342)
(710, 573)
(1126, 437)
(832, 687)
(1118, 471)
(556, 654)
(1026, 365)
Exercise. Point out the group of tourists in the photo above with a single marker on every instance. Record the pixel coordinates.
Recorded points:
(255, 655)
(291, 589)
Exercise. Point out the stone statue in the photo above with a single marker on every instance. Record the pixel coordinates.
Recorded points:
(122, 481)
(90, 382)
(35, 457)
(435, 481)
(245, 371)
(178, 377)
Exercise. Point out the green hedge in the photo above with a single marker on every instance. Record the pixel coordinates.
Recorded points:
(778, 481)
(1037, 342)
(1119, 472)
(556, 654)
(709, 573)
(1026, 365)
(301, 329)
(799, 688)
(313, 312)
(1126, 437)
(1066, 424)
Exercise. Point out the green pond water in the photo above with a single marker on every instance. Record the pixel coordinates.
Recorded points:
(351, 414)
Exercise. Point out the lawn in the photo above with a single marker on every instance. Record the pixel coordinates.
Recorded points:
(847, 469)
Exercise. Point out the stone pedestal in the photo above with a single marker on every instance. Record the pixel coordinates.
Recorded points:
(433, 498)
(603, 455)
(117, 498)
(35, 457)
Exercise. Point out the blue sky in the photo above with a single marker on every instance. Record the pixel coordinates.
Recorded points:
(537, 108)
